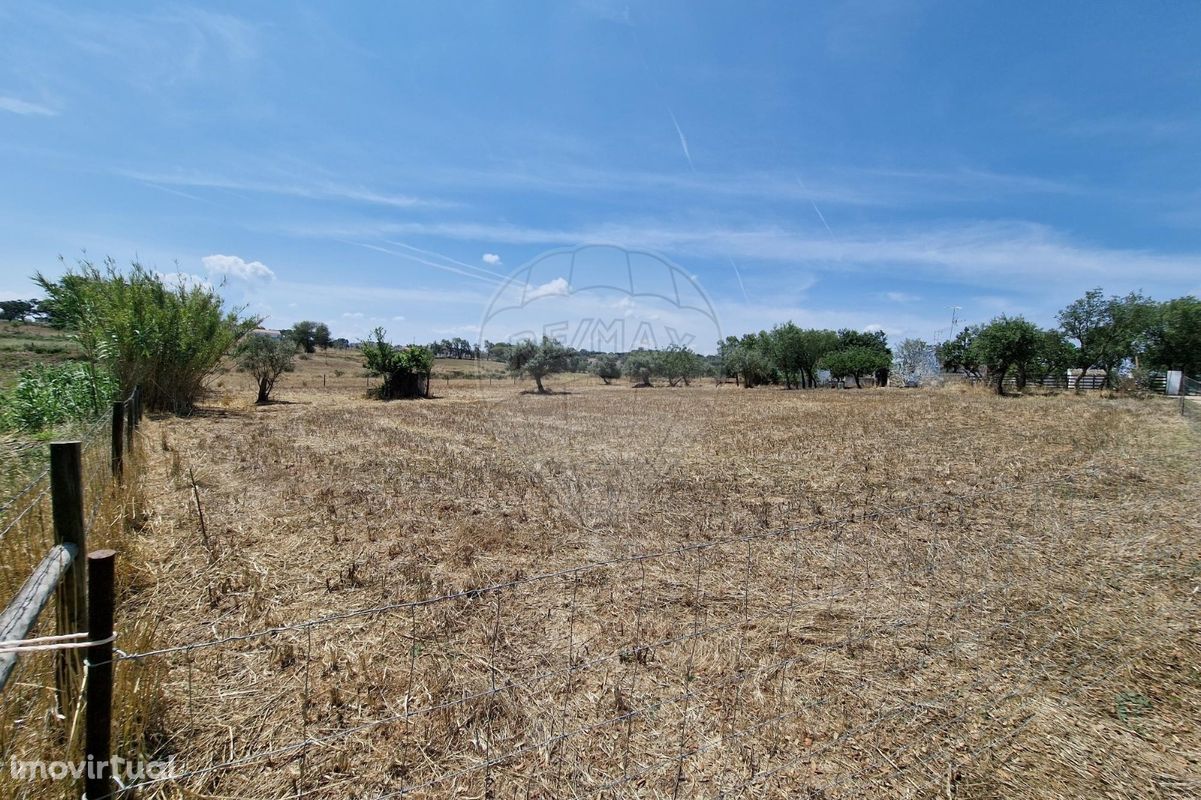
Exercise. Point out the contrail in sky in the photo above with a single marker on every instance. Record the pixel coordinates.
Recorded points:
(738, 273)
(817, 210)
(488, 272)
(683, 140)
(494, 281)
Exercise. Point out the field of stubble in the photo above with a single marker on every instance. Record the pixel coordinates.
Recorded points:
(792, 594)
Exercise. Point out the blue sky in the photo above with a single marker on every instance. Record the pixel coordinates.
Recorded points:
(865, 164)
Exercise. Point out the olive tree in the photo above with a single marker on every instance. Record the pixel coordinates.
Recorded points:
(642, 366)
(539, 360)
(607, 368)
(265, 359)
(679, 364)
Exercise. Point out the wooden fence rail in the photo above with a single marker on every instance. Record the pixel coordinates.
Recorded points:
(83, 592)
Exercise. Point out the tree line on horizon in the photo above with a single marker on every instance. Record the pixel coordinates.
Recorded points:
(1096, 335)
(141, 330)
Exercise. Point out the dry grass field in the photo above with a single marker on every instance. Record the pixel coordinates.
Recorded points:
(792, 594)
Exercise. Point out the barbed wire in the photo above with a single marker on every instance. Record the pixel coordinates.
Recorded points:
(24, 512)
(29, 487)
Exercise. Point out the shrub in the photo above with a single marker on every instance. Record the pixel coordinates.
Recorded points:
(405, 371)
(46, 396)
(167, 339)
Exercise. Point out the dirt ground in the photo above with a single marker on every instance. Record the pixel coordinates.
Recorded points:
(903, 593)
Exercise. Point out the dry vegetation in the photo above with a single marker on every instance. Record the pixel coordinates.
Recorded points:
(974, 597)
(31, 728)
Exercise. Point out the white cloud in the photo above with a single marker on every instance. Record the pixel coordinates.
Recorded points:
(491, 259)
(237, 268)
(398, 319)
(556, 288)
(26, 108)
(900, 297)
(354, 314)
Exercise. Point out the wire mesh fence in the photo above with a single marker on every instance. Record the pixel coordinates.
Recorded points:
(871, 654)
(1190, 399)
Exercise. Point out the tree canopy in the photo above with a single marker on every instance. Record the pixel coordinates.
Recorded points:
(538, 360)
(266, 359)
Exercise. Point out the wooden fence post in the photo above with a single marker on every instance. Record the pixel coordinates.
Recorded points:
(118, 438)
(98, 718)
(66, 499)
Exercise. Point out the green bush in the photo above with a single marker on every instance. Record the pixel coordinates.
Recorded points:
(405, 371)
(46, 396)
(167, 339)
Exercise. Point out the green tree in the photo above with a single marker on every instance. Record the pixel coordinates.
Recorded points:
(1007, 343)
(607, 368)
(868, 340)
(812, 345)
(854, 362)
(1107, 331)
(266, 358)
(1174, 340)
(642, 366)
(304, 333)
(959, 354)
(678, 364)
(405, 370)
(321, 336)
(785, 346)
(18, 310)
(1053, 356)
(539, 360)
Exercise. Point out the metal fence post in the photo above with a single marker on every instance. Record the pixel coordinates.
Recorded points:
(66, 497)
(130, 423)
(98, 719)
(118, 438)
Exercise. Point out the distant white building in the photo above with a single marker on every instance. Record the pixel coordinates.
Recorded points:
(268, 333)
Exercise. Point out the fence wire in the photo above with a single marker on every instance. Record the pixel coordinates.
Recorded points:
(1190, 399)
(31, 714)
